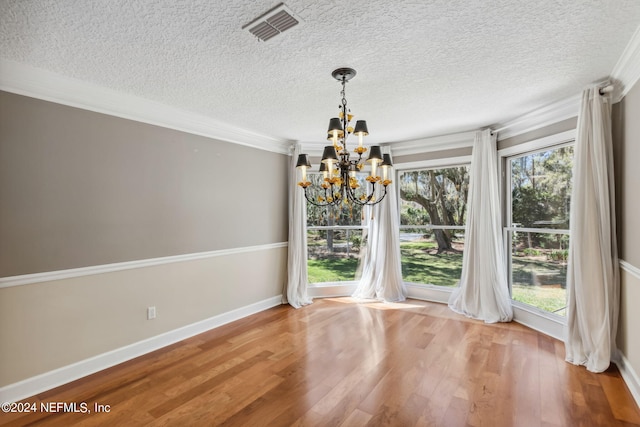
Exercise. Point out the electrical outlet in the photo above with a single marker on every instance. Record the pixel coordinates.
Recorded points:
(151, 313)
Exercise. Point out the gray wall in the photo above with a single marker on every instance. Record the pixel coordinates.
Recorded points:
(80, 188)
(553, 129)
(433, 155)
(626, 148)
(626, 144)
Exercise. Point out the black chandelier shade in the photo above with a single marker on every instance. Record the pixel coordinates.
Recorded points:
(375, 154)
(303, 161)
(329, 154)
(335, 125)
(361, 128)
(386, 160)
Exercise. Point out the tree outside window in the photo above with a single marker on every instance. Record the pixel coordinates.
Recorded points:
(335, 237)
(433, 207)
(538, 229)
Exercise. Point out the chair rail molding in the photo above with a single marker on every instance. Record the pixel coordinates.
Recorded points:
(6, 282)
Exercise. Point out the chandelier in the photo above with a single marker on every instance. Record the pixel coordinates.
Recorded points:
(340, 183)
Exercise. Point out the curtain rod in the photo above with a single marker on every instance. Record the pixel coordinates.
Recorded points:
(606, 89)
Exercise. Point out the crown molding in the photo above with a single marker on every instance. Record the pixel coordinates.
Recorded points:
(627, 70)
(49, 86)
(313, 149)
(625, 75)
(414, 146)
(434, 143)
(536, 119)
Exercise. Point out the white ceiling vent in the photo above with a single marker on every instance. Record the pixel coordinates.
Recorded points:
(272, 23)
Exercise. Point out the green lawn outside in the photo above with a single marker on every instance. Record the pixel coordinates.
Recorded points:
(421, 264)
(540, 282)
(546, 298)
(536, 281)
(332, 269)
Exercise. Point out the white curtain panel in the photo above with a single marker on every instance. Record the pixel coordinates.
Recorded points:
(483, 291)
(382, 271)
(297, 261)
(593, 290)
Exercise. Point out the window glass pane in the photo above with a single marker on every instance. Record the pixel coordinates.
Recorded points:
(421, 261)
(433, 197)
(540, 198)
(345, 214)
(333, 252)
(539, 270)
(541, 189)
(334, 255)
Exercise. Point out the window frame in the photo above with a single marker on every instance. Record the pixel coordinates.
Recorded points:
(443, 163)
(555, 141)
(346, 284)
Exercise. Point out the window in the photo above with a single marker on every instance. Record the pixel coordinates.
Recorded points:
(537, 229)
(335, 237)
(433, 207)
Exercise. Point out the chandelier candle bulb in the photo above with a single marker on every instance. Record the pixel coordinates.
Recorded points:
(302, 164)
(362, 131)
(386, 165)
(323, 169)
(329, 167)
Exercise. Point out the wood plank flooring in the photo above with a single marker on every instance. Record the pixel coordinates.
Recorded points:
(342, 363)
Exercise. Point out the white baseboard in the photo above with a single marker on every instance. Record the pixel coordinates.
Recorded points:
(48, 380)
(344, 289)
(332, 290)
(538, 320)
(428, 293)
(629, 375)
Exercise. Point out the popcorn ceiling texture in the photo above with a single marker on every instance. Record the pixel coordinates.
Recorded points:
(425, 68)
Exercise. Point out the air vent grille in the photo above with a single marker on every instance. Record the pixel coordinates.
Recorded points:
(272, 23)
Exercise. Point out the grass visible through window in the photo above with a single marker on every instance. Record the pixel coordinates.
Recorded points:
(538, 279)
(422, 264)
(332, 269)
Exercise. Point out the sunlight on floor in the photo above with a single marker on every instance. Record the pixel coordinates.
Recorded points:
(373, 303)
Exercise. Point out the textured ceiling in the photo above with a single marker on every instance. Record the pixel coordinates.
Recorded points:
(425, 68)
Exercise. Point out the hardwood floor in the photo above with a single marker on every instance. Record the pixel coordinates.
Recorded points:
(342, 363)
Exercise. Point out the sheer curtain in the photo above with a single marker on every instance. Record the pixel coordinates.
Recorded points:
(297, 261)
(483, 292)
(382, 271)
(593, 290)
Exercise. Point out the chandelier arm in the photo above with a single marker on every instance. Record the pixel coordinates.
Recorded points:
(310, 200)
(357, 200)
(368, 202)
(313, 202)
(381, 198)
